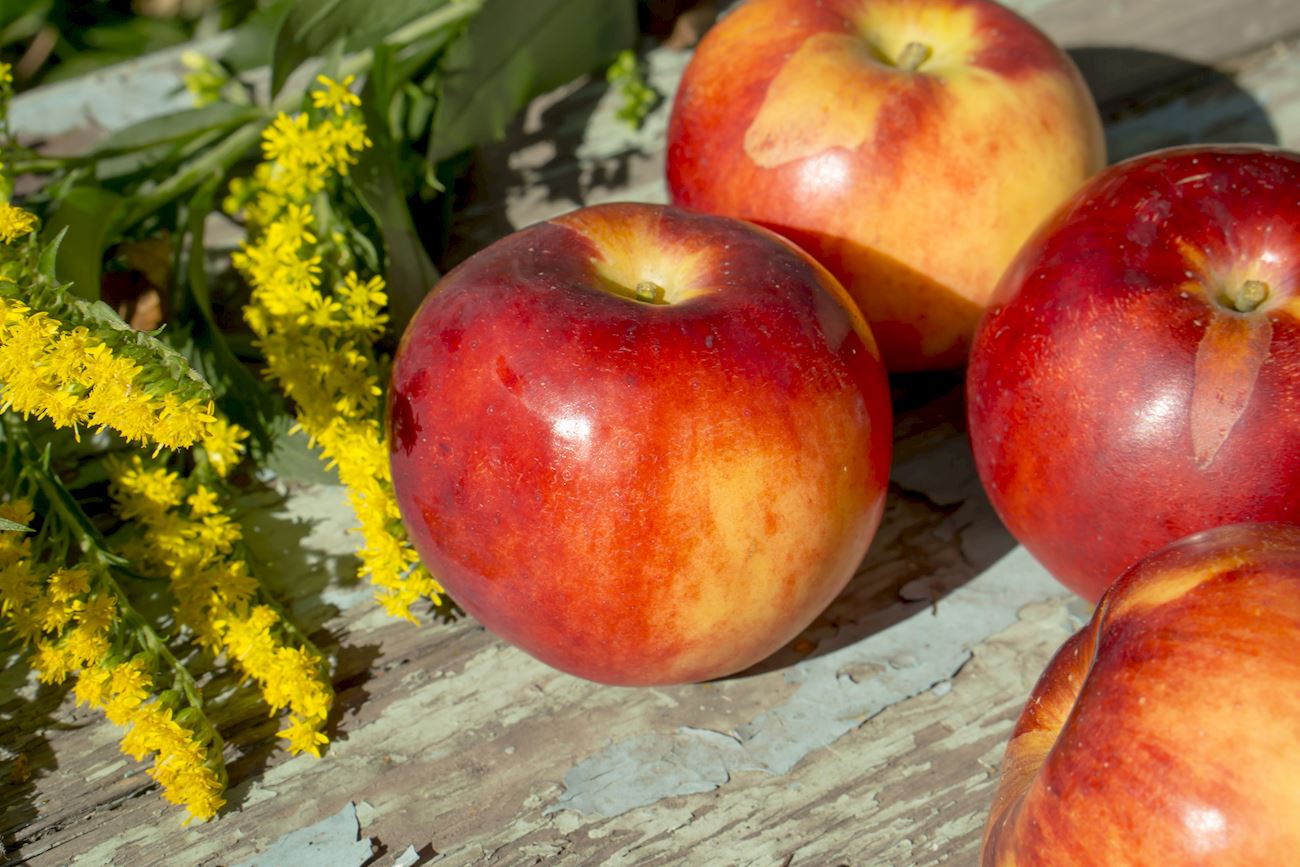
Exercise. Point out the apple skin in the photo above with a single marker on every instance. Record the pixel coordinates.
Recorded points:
(914, 188)
(641, 493)
(1164, 732)
(1114, 403)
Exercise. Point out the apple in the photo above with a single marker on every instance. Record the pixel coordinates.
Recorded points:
(645, 446)
(1164, 732)
(1137, 377)
(911, 146)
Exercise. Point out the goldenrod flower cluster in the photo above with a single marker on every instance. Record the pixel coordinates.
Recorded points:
(73, 379)
(187, 757)
(59, 360)
(194, 544)
(317, 320)
(14, 222)
(55, 613)
(72, 621)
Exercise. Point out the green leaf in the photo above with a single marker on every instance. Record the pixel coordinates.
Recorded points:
(377, 179)
(172, 128)
(514, 51)
(310, 29)
(252, 44)
(155, 161)
(88, 215)
(47, 262)
(195, 271)
(12, 10)
(13, 526)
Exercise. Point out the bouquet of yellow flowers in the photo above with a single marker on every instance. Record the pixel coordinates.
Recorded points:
(124, 452)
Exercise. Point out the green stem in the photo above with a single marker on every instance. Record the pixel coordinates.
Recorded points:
(1247, 297)
(452, 13)
(214, 162)
(39, 165)
(912, 56)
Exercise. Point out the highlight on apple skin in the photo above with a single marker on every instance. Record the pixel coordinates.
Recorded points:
(1137, 377)
(644, 445)
(1164, 733)
(911, 146)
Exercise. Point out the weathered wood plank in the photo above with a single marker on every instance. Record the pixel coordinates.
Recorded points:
(1131, 46)
(873, 739)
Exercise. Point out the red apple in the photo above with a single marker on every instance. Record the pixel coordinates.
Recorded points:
(911, 146)
(644, 445)
(1165, 732)
(1138, 376)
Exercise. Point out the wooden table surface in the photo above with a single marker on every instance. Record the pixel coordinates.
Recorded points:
(872, 739)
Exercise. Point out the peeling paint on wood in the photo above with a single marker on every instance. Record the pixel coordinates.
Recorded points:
(334, 842)
(873, 739)
(902, 661)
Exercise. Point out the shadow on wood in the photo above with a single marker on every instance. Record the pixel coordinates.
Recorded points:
(1151, 100)
(24, 726)
(939, 530)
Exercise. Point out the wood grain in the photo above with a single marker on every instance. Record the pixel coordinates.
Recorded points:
(450, 741)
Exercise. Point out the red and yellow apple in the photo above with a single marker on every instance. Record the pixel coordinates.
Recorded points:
(1164, 733)
(911, 146)
(644, 445)
(1138, 376)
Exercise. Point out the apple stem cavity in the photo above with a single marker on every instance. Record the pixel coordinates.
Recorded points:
(1247, 297)
(650, 292)
(912, 56)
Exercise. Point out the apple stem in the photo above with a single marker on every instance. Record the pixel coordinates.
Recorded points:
(1248, 296)
(651, 293)
(912, 56)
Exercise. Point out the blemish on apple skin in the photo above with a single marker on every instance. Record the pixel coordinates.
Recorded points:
(508, 377)
(451, 338)
(403, 422)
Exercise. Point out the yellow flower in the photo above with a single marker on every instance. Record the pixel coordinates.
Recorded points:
(337, 144)
(288, 139)
(364, 304)
(86, 646)
(202, 502)
(53, 663)
(318, 342)
(72, 378)
(181, 766)
(54, 615)
(224, 444)
(131, 681)
(99, 614)
(205, 78)
(67, 584)
(335, 94)
(304, 736)
(14, 222)
(93, 686)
